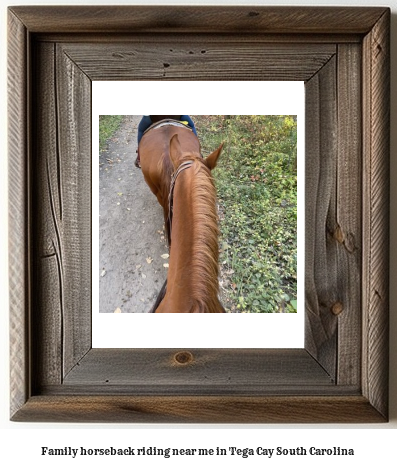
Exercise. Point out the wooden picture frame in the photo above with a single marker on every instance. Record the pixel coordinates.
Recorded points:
(342, 54)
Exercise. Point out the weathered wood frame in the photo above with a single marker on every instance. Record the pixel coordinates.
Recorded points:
(343, 56)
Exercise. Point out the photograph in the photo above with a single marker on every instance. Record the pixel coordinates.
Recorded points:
(234, 219)
(241, 252)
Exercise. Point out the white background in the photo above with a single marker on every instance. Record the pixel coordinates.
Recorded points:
(227, 330)
(374, 444)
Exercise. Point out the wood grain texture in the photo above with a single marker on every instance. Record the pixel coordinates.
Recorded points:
(73, 109)
(46, 202)
(198, 20)
(321, 277)
(341, 376)
(347, 225)
(18, 213)
(217, 59)
(62, 204)
(247, 369)
(195, 39)
(376, 91)
(199, 409)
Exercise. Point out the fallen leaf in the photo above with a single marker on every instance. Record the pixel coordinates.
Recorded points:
(103, 272)
(166, 265)
(165, 255)
(117, 310)
(138, 266)
(149, 260)
(120, 194)
(143, 276)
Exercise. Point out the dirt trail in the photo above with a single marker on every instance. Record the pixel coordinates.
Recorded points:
(131, 233)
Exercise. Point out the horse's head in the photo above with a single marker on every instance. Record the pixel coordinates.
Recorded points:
(177, 155)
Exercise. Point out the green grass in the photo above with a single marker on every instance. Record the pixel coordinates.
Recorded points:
(257, 193)
(108, 125)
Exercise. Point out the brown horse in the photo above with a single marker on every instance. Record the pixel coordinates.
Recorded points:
(180, 178)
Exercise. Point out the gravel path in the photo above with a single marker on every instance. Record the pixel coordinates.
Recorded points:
(131, 229)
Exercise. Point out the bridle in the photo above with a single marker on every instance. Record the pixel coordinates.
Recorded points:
(183, 166)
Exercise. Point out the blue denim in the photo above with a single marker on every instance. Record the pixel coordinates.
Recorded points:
(147, 122)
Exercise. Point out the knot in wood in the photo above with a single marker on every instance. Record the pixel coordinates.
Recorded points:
(337, 308)
(183, 358)
(338, 235)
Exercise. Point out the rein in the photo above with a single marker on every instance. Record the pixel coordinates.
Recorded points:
(185, 165)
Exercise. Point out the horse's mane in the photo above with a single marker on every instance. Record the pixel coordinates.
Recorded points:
(204, 263)
(205, 270)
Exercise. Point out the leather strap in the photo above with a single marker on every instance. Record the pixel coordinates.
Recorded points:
(184, 165)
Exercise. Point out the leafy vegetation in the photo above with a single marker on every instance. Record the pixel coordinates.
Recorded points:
(108, 125)
(257, 192)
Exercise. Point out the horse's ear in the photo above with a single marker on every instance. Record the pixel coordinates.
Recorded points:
(175, 150)
(212, 159)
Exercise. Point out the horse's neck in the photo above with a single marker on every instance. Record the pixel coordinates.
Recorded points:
(193, 271)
